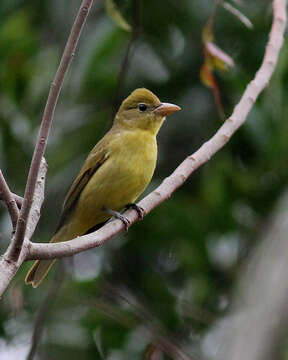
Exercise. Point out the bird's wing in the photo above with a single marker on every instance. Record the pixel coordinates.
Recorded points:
(96, 158)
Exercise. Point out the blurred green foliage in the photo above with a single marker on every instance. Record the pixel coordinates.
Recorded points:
(180, 264)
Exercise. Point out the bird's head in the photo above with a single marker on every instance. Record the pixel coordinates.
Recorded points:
(143, 110)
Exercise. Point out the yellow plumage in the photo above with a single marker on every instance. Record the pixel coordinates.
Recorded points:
(116, 172)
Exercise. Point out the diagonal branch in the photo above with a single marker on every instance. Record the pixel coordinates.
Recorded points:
(8, 197)
(46, 125)
(192, 162)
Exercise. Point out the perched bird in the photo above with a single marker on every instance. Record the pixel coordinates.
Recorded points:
(115, 173)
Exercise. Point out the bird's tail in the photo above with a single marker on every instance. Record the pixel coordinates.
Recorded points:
(40, 268)
(38, 272)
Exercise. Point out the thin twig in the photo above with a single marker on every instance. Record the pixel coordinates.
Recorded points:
(46, 125)
(17, 198)
(212, 16)
(130, 49)
(9, 200)
(192, 162)
(122, 73)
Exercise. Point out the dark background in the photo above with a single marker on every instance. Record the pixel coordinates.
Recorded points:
(165, 282)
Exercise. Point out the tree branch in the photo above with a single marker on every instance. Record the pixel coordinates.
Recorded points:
(46, 125)
(38, 199)
(8, 268)
(8, 198)
(34, 215)
(17, 198)
(192, 162)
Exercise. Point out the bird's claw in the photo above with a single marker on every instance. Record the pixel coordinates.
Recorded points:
(140, 211)
(118, 216)
(124, 220)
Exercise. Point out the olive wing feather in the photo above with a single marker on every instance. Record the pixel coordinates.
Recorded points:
(94, 161)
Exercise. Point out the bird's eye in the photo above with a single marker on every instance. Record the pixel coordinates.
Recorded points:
(142, 107)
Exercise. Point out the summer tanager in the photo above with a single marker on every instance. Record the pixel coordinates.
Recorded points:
(115, 173)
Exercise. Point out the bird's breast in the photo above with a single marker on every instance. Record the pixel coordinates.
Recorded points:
(121, 178)
(135, 160)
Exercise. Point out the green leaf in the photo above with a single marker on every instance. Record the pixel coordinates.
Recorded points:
(116, 16)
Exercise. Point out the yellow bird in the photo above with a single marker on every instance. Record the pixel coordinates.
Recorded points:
(115, 173)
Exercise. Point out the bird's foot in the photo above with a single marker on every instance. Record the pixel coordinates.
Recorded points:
(118, 216)
(140, 211)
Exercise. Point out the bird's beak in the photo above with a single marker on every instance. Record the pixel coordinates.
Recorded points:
(166, 109)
